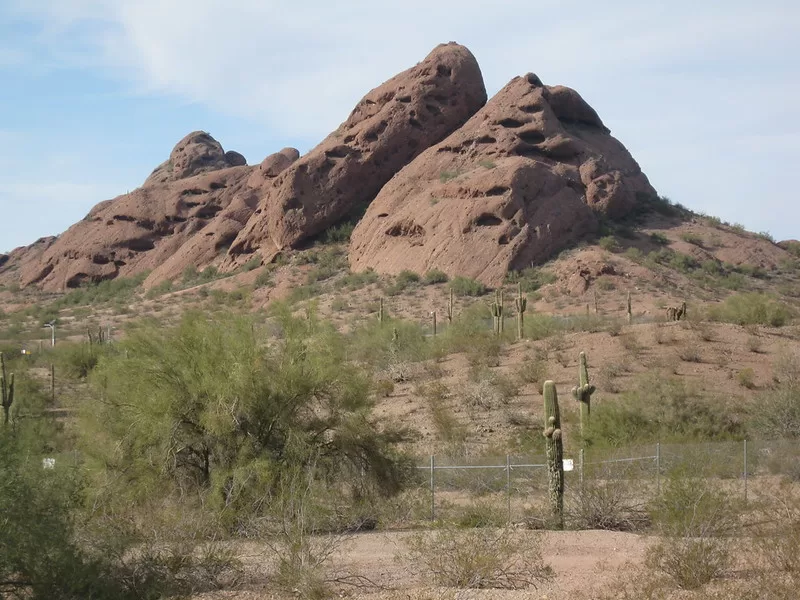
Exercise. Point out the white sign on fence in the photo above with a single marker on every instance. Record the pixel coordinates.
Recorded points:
(568, 464)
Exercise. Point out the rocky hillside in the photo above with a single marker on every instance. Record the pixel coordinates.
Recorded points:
(448, 181)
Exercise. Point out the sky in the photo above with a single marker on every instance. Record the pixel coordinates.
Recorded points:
(95, 93)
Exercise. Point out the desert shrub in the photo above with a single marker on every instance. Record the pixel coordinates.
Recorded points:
(752, 308)
(384, 388)
(120, 288)
(531, 278)
(264, 278)
(659, 239)
(435, 276)
(77, 360)
(481, 514)
(778, 412)
(663, 408)
(690, 563)
(746, 378)
(692, 238)
(605, 283)
(205, 406)
(355, 281)
(479, 558)
(532, 370)
(465, 286)
(162, 288)
(374, 344)
(606, 505)
(634, 254)
(695, 520)
(339, 233)
(402, 281)
(608, 243)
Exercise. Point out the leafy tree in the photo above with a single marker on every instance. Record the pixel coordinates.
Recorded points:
(214, 406)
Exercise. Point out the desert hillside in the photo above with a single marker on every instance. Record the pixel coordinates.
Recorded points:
(462, 346)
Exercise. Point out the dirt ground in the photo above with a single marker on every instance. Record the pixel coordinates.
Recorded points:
(582, 561)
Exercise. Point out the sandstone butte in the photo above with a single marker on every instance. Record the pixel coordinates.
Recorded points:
(448, 181)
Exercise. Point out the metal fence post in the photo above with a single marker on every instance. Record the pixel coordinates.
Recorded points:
(580, 467)
(508, 486)
(433, 489)
(658, 468)
(745, 470)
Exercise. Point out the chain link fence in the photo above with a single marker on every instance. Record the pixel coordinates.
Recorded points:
(513, 489)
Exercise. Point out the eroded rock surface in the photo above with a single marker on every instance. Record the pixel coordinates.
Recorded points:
(390, 126)
(524, 178)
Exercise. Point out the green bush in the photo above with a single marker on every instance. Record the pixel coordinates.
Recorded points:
(609, 243)
(206, 406)
(752, 308)
(531, 279)
(464, 286)
(435, 276)
(659, 238)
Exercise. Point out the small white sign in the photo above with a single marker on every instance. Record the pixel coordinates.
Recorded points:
(48, 463)
(568, 464)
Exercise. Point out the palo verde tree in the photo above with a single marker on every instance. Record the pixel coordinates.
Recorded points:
(218, 407)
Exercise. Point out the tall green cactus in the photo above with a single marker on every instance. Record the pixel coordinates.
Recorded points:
(450, 307)
(555, 453)
(496, 308)
(630, 313)
(520, 304)
(583, 394)
(380, 311)
(6, 390)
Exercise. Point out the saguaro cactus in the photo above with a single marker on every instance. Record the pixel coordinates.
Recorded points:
(6, 390)
(555, 453)
(583, 394)
(380, 311)
(520, 304)
(630, 313)
(496, 308)
(450, 307)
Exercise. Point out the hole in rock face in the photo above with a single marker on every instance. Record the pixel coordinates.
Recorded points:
(99, 259)
(414, 123)
(140, 244)
(510, 123)
(405, 228)
(217, 185)
(530, 108)
(383, 215)
(123, 218)
(193, 192)
(404, 99)
(337, 152)
(443, 70)
(485, 139)
(293, 203)
(433, 109)
(527, 151)
(349, 139)
(497, 190)
(208, 211)
(488, 220)
(531, 137)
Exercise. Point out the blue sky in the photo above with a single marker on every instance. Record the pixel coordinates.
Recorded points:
(94, 93)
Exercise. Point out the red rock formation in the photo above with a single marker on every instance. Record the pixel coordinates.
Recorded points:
(144, 229)
(519, 181)
(389, 127)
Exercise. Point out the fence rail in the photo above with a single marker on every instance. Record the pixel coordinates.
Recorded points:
(517, 485)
